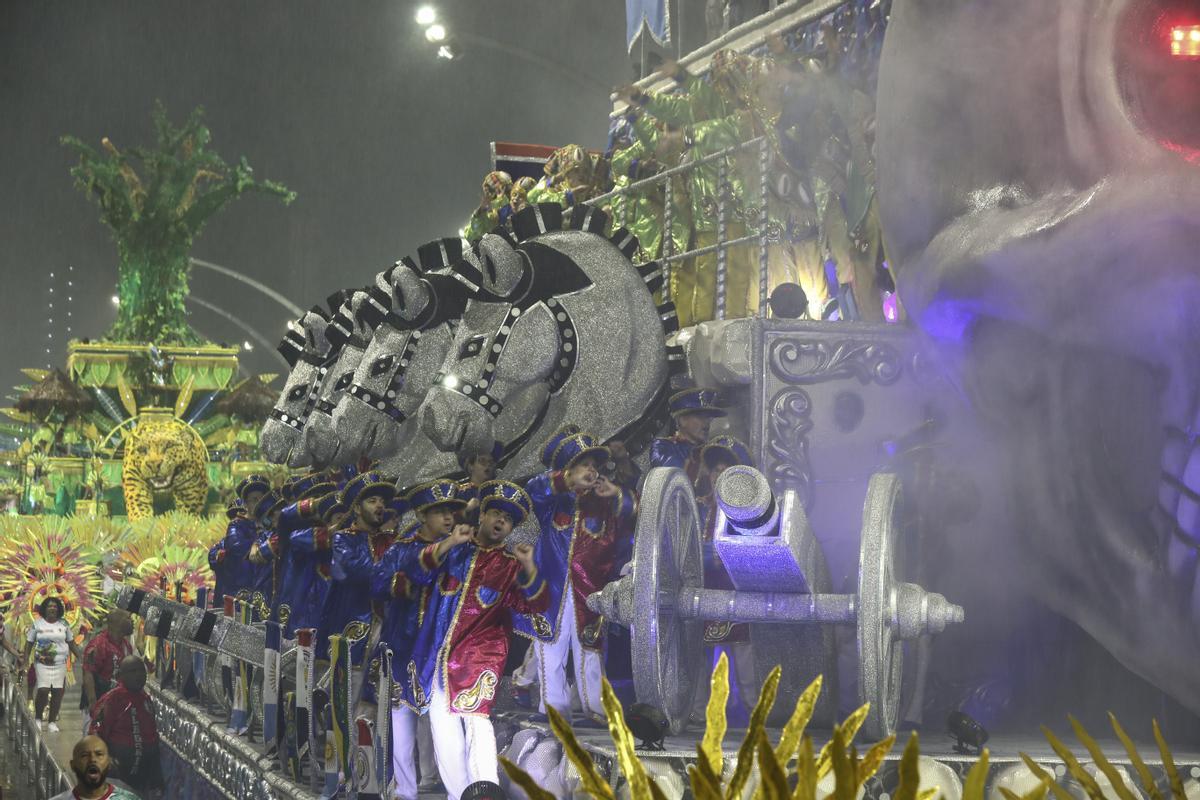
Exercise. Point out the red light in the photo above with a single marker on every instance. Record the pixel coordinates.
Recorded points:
(1185, 41)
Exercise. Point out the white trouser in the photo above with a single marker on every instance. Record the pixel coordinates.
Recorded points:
(465, 745)
(526, 674)
(552, 667)
(404, 751)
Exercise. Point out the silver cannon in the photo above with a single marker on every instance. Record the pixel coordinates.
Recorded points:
(776, 565)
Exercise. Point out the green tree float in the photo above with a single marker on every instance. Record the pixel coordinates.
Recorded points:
(155, 212)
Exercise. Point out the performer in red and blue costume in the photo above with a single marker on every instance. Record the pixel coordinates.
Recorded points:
(693, 411)
(582, 515)
(406, 606)
(463, 644)
(355, 550)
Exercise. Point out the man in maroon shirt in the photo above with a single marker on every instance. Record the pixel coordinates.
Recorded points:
(124, 718)
(103, 655)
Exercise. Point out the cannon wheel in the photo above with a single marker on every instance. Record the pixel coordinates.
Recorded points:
(666, 558)
(880, 653)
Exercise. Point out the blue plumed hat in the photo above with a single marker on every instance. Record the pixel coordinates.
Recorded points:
(696, 401)
(506, 496)
(728, 448)
(313, 485)
(435, 493)
(497, 452)
(235, 509)
(574, 447)
(330, 506)
(253, 483)
(399, 505)
(365, 485)
(554, 441)
(267, 503)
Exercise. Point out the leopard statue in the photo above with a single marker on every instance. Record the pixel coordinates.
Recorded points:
(163, 455)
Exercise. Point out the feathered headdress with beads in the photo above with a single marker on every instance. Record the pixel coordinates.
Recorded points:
(168, 566)
(39, 561)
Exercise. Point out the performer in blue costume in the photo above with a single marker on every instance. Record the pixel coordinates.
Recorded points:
(406, 605)
(228, 559)
(307, 577)
(693, 411)
(216, 553)
(582, 516)
(262, 591)
(355, 550)
(273, 545)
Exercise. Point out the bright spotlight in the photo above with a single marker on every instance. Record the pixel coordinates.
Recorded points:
(116, 301)
(435, 33)
(426, 15)
(247, 346)
(445, 52)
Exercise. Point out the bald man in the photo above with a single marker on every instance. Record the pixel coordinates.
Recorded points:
(89, 762)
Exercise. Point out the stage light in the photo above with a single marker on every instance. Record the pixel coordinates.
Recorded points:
(971, 736)
(247, 346)
(788, 301)
(435, 33)
(1185, 41)
(450, 382)
(426, 15)
(446, 52)
(116, 301)
(648, 724)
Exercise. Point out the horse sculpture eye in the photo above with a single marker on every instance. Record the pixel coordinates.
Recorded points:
(382, 365)
(471, 347)
(344, 382)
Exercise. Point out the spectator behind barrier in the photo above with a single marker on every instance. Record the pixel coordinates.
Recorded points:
(124, 718)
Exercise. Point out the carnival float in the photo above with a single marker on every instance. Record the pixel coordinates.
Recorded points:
(752, 263)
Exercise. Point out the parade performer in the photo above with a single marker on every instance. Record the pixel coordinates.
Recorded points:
(582, 514)
(406, 607)
(228, 559)
(307, 563)
(480, 468)
(692, 411)
(518, 197)
(646, 152)
(262, 588)
(463, 646)
(568, 180)
(273, 545)
(485, 218)
(717, 455)
(355, 550)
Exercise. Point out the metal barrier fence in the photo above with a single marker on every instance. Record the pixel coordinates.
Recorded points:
(762, 234)
(34, 759)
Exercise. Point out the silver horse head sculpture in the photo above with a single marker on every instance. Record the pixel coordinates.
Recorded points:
(565, 329)
(306, 348)
(1039, 183)
(349, 335)
(376, 416)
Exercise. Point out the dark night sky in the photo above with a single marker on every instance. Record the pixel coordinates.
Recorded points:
(342, 101)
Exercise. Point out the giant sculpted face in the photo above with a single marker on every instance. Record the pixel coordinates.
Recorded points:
(1040, 197)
